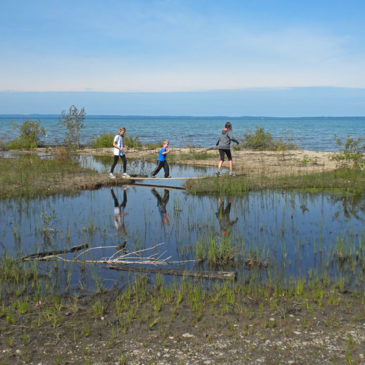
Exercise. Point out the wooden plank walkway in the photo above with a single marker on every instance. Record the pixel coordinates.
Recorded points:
(138, 178)
(167, 187)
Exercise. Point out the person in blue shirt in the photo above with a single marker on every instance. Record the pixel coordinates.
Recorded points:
(161, 160)
(161, 204)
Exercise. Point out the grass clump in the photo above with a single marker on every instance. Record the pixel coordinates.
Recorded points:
(345, 180)
(30, 176)
(262, 140)
(191, 155)
(30, 135)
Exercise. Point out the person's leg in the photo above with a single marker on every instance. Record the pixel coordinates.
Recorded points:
(158, 168)
(114, 163)
(166, 169)
(166, 196)
(229, 157)
(116, 203)
(221, 159)
(124, 160)
(124, 202)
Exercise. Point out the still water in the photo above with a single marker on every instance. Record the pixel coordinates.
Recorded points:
(293, 233)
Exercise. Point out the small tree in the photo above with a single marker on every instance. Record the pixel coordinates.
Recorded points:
(351, 152)
(73, 121)
(30, 135)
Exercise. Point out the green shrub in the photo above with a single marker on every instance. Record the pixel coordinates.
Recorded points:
(262, 140)
(351, 152)
(106, 140)
(73, 121)
(132, 142)
(30, 135)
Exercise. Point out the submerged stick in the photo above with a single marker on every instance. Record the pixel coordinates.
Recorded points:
(55, 252)
(209, 275)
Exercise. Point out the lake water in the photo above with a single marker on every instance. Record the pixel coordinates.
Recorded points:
(315, 134)
(294, 233)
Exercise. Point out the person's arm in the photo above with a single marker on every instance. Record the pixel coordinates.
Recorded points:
(166, 152)
(116, 145)
(230, 136)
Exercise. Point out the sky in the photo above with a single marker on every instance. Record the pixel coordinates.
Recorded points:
(142, 54)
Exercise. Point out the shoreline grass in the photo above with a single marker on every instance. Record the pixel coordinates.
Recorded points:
(343, 181)
(29, 176)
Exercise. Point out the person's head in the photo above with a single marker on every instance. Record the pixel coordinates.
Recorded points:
(228, 125)
(165, 143)
(122, 131)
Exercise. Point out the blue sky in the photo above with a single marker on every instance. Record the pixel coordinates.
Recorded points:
(192, 47)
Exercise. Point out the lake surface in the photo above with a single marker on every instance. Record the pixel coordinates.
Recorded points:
(293, 233)
(315, 134)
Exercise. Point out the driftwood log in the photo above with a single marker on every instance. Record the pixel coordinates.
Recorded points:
(209, 275)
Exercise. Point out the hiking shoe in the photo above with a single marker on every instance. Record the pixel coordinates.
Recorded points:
(153, 176)
(167, 177)
(125, 174)
(218, 173)
(111, 175)
(232, 174)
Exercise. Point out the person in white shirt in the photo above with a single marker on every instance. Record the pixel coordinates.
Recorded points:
(119, 151)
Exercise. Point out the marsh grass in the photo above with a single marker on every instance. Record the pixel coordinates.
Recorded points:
(30, 176)
(348, 181)
(191, 155)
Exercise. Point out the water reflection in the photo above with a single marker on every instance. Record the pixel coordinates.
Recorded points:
(223, 215)
(297, 233)
(161, 204)
(119, 212)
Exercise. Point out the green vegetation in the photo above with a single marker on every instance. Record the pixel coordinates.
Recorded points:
(262, 140)
(106, 140)
(348, 181)
(73, 121)
(30, 176)
(351, 153)
(30, 135)
(103, 141)
(191, 155)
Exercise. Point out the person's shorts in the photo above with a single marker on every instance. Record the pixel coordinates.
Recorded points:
(223, 152)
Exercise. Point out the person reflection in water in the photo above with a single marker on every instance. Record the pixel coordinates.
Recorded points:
(223, 215)
(161, 203)
(119, 212)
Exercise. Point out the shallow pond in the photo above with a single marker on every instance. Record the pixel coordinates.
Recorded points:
(282, 235)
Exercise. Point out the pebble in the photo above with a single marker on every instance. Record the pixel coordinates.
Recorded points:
(187, 335)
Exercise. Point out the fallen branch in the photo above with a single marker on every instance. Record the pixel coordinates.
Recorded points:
(56, 252)
(120, 260)
(210, 275)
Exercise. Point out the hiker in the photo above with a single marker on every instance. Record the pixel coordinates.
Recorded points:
(161, 203)
(161, 160)
(224, 147)
(223, 215)
(119, 213)
(119, 151)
